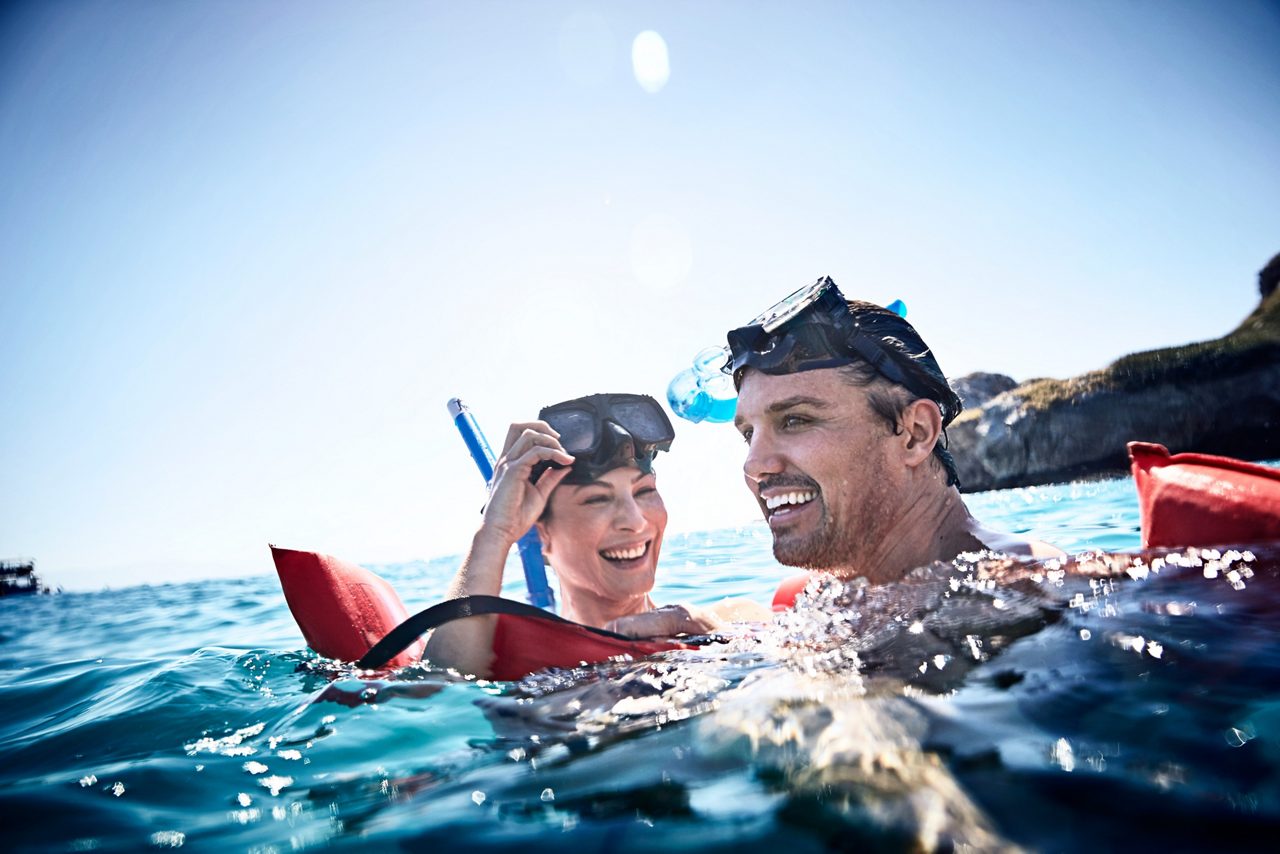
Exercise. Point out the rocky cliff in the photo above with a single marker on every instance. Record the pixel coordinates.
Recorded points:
(1220, 396)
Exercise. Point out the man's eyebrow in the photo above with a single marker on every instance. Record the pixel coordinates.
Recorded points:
(798, 400)
(788, 403)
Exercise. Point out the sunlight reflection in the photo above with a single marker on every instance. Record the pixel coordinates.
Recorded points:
(650, 62)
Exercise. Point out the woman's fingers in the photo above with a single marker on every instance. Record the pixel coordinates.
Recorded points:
(549, 480)
(667, 621)
(515, 501)
(529, 440)
(520, 428)
(523, 461)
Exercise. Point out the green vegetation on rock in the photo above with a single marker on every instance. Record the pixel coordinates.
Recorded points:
(1255, 343)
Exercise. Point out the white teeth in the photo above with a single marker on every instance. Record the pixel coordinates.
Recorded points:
(776, 501)
(626, 554)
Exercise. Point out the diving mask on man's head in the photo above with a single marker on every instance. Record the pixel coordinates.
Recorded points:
(816, 328)
(606, 431)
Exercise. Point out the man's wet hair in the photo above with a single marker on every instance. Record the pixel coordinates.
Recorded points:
(908, 351)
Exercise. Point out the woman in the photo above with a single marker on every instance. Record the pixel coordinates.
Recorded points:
(583, 473)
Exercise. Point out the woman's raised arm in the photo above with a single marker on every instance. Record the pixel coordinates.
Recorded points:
(515, 503)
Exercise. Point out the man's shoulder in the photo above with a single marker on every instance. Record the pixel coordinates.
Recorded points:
(999, 541)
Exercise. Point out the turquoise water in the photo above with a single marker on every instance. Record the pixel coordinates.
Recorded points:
(1049, 713)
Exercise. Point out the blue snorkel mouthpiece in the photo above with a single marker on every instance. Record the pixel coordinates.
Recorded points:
(704, 392)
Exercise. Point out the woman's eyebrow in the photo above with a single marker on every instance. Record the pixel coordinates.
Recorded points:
(602, 483)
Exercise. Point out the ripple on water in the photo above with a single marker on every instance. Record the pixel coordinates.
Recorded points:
(990, 703)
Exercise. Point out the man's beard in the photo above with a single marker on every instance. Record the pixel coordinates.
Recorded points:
(828, 547)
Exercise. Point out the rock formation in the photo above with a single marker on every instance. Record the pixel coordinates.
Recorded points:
(1220, 396)
(977, 388)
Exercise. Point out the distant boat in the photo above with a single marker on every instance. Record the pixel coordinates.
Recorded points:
(19, 576)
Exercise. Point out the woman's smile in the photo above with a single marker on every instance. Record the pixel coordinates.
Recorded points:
(624, 555)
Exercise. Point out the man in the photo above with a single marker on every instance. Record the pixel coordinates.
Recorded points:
(843, 408)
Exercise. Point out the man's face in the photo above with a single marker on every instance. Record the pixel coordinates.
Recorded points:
(821, 464)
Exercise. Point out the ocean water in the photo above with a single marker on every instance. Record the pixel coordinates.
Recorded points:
(992, 705)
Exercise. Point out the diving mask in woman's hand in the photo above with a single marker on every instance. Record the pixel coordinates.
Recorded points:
(605, 431)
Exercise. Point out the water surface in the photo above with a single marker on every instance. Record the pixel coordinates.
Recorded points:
(983, 704)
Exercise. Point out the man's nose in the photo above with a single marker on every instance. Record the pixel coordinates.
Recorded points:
(762, 458)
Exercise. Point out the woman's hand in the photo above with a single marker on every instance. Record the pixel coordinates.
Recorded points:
(666, 622)
(671, 620)
(515, 502)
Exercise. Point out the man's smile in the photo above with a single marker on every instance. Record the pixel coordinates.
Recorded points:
(784, 503)
(774, 502)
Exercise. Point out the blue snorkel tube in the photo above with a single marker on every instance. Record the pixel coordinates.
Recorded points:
(529, 546)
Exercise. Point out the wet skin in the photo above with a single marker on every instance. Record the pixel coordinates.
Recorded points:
(820, 463)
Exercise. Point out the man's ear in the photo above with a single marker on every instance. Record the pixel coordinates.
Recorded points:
(921, 429)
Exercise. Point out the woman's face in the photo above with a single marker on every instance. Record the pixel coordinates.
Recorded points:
(603, 537)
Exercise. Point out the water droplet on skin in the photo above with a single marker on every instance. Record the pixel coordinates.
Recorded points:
(477, 797)
(548, 796)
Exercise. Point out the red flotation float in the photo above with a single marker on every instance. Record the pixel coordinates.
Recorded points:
(785, 596)
(344, 611)
(1202, 500)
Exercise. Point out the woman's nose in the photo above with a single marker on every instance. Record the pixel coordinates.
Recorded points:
(629, 516)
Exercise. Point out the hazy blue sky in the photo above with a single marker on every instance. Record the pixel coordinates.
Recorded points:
(249, 249)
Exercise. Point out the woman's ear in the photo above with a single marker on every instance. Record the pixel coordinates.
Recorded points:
(921, 429)
(541, 528)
